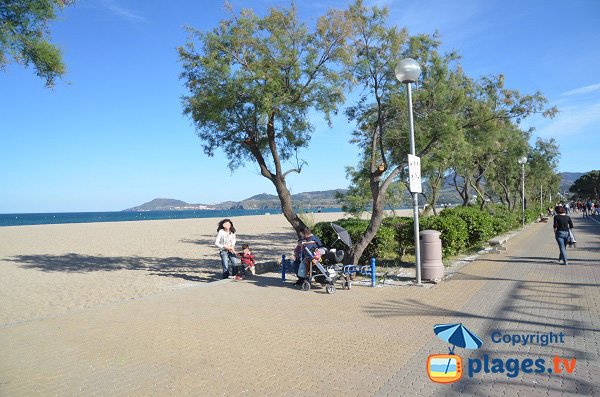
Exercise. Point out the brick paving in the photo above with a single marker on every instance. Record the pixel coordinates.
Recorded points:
(264, 338)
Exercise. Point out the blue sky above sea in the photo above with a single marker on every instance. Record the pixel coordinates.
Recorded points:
(111, 134)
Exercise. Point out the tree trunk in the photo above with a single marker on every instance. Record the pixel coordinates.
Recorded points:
(376, 218)
(505, 196)
(463, 190)
(277, 178)
(435, 192)
(285, 198)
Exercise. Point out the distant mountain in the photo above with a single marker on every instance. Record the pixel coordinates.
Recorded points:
(323, 199)
(162, 204)
(568, 178)
(309, 200)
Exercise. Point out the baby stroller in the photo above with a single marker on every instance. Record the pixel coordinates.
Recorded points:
(322, 265)
(312, 270)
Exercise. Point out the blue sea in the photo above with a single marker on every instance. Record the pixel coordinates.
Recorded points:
(88, 217)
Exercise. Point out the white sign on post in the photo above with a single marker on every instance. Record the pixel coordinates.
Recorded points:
(414, 174)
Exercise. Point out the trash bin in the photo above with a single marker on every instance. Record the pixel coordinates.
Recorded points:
(432, 267)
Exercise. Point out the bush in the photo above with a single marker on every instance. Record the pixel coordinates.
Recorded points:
(480, 224)
(404, 234)
(454, 232)
(503, 219)
(532, 215)
(460, 227)
(383, 245)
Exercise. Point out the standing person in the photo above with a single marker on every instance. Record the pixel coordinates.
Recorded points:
(562, 225)
(226, 242)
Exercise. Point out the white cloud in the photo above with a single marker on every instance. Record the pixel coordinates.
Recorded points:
(572, 121)
(123, 12)
(583, 90)
(456, 22)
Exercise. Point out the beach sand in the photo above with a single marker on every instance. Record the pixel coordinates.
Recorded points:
(47, 270)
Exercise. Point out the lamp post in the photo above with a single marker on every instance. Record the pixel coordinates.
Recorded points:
(522, 161)
(407, 72)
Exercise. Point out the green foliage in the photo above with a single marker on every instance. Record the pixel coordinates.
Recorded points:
(503, 220)
(253, 80)
(404, 232)
(587, 186)
(454, 232)
(532, 214)
(383, 246)
(460, 228)
(24, 36)
(480, 224)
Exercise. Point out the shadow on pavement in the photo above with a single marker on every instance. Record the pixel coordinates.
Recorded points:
(518, 309)
(544, 260)
(557, 284)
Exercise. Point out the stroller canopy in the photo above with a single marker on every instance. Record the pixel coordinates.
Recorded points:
(342, 234)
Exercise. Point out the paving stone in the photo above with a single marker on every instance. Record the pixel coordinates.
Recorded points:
(265, 338)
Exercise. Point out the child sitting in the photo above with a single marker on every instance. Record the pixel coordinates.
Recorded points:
(247, 259)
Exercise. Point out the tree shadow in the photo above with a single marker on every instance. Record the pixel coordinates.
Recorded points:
(520, 310)
(187, 269)
(265, 246)
(555, 284)
(550, 261)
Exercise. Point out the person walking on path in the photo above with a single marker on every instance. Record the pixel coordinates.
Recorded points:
(562, 226)
(225, 241)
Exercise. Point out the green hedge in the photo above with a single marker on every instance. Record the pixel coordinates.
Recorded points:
(461, 228)
(480, 224)
(454, 232)
(382, 246)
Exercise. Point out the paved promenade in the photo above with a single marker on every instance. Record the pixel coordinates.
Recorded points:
(267, 339)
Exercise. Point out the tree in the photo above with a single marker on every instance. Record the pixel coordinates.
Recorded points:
(434, 172)
(587, 186)
(24, 36)
(380, 113)
(252, 82)
(542, 170)
(492, 114)
(503, 177)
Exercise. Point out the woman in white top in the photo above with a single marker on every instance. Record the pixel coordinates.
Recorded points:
(226, 243)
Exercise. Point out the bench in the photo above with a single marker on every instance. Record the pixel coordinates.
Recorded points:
(499, 243)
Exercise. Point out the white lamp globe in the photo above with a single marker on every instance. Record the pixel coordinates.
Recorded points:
(407, 70)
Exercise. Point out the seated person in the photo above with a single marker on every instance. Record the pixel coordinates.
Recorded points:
(308, 240)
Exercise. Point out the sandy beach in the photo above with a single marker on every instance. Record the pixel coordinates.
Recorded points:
(48, 270)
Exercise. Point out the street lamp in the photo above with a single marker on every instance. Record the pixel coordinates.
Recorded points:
(522, 161)
(408, 71)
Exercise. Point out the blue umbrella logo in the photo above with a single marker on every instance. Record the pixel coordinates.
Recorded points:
(457, 335)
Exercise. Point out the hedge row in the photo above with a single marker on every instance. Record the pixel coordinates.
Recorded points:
(460, 227)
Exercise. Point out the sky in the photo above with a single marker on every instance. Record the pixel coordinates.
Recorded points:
(111, 134)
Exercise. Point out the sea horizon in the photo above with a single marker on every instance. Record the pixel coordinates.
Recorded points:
(54, 218)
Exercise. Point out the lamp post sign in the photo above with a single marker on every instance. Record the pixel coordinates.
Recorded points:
(414, 174)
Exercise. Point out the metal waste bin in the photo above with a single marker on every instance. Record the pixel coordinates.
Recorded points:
(432, 267)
